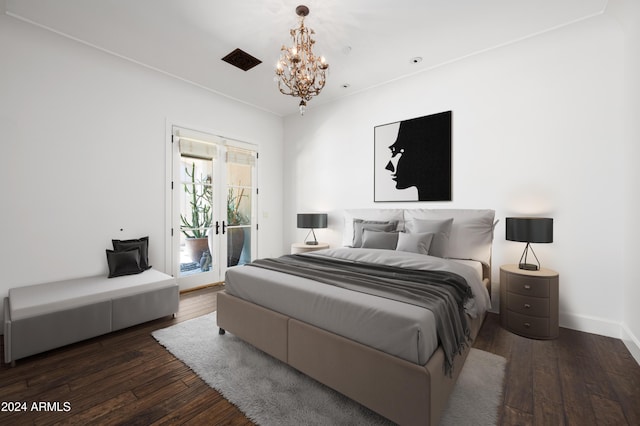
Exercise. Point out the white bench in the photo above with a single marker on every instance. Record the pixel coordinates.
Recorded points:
(45, 316)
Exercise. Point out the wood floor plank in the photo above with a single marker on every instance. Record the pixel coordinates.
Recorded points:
(143, 411)
(548, 407)
(607, 412)
(190, 409)
(11, 389)
(94, 412)
(547, 412)
(35, 412)
(519, 388)
(223, 414)
(627, 387)
(503, 341)
(613, 355)
(546, 382)
(513, 416)
(484, 341)
(126, 377)
(128, 361)
(575, 394)
(166, 378)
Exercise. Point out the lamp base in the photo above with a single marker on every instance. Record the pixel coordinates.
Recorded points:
(523, 260)
(313, 242)
(528, 266)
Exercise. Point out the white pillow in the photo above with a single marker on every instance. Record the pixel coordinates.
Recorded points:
(415, 243)
(368, 214)
(471, 232)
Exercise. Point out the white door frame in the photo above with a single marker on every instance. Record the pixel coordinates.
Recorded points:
(172, 170)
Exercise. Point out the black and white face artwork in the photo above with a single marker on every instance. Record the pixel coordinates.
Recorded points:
(413, 159)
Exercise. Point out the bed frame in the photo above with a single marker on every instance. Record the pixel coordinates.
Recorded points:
(404, 392)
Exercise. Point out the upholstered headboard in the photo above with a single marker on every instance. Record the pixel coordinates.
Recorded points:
(469, 235)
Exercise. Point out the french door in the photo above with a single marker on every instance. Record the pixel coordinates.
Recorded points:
(213, 206)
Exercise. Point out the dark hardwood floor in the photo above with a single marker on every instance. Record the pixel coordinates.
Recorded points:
(578, 379)
(128, 378)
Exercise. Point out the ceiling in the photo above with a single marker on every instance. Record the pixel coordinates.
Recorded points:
(366, 42)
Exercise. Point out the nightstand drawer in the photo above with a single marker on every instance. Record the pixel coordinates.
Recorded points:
(528, 286)
(529, 302)
(528, 326)
(527, 305)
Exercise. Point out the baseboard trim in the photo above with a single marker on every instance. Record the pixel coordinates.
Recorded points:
(603, 327)
(631, 342)
(202, 287)
(590, 324)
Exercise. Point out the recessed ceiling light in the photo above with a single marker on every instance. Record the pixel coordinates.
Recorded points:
(416, 60)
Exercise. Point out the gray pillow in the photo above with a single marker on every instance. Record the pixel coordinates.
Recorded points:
(441, 230)
(415, 243)
(359, 225)
(379, 239)
(471, 233)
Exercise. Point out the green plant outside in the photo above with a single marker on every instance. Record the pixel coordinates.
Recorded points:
(234, 216)
(200, 197)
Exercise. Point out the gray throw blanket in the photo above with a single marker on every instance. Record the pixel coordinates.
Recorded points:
(443, 293)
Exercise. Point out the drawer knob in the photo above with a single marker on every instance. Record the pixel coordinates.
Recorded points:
(527, 325)
(527, 306)
(527, 287)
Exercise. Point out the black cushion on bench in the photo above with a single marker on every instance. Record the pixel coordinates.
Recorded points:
(125, 262)
(141, 243)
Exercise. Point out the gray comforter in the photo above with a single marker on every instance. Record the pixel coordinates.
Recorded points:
(443, 293)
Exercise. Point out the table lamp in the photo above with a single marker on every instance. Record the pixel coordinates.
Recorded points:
(529, 230)
(312, 221)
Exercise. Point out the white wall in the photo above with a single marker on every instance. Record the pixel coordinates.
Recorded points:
(541, 126)
(83, 154)
(627, 12)
(537, 129)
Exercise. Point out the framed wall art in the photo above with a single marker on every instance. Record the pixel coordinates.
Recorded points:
(412, 159)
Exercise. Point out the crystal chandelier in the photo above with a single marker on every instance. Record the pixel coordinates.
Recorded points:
(299, 72)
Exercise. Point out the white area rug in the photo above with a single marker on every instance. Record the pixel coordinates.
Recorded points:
(272, 393)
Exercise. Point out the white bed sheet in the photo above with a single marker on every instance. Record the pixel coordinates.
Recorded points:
(399, 329)
(477, 266)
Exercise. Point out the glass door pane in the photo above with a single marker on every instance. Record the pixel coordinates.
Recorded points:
(239, 212)
(197, 253)
(213, 206)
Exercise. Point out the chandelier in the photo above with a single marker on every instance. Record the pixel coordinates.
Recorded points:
(299, 72)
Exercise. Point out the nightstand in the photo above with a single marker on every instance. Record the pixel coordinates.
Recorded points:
(529, 302)
(304, 248)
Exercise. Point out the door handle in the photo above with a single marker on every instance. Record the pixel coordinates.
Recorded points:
(217, 227)
(224, 227)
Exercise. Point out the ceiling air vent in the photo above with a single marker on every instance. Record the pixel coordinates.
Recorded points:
(242, 60)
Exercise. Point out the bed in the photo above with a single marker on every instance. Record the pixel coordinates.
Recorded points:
(384, 353)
